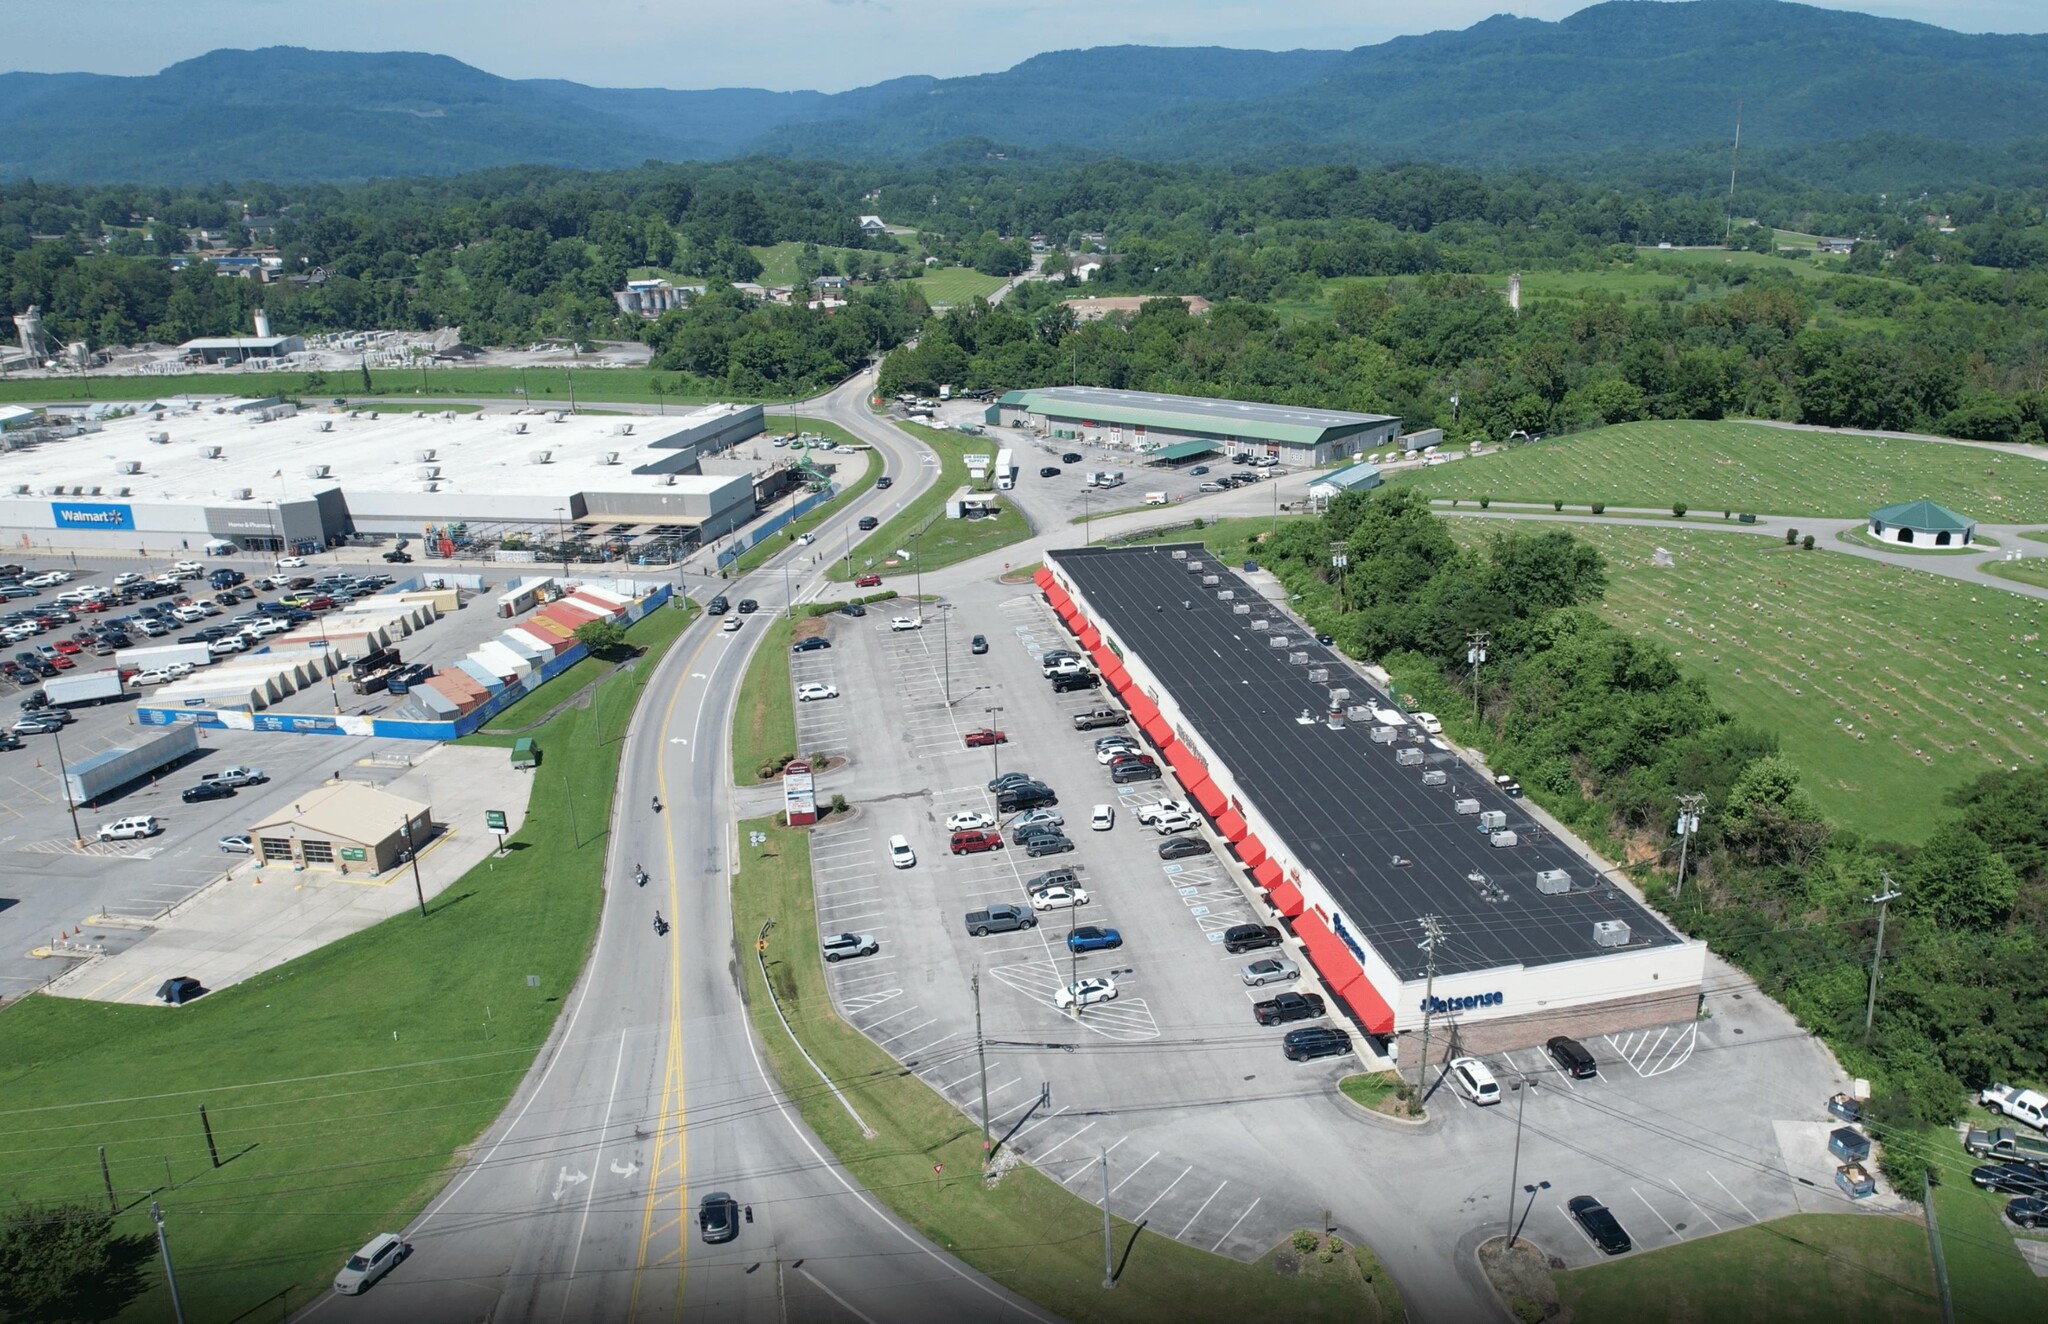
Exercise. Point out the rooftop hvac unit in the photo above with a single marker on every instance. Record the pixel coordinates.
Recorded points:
(518, 428)
(1488, 821)
(542, 457)
(213, 452)
(1553, 882)
(327, 425)
(430, 471)
(21, 489)
(122, 491)
(130, 466)
(1503, 839)
(425, 455)
(611, 457)
(1212, 579)
(1434, 777)
(244, 493)
(373, 415)
(1382, 735)
(1408, 758)
(1610, 933)
(1462, 806)
(1240, 609)
(1259, 625)
(1180, 555)
(95, 491)
(448, 415)
(668, 480)
(1277, 641)
(319, 470)
(1319, 674)
(430, 486)
(160, 438)
(622, 429)
(1194, 567)
(54, 490)
(561, 415)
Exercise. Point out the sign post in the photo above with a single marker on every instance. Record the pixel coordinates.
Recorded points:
(494, 819)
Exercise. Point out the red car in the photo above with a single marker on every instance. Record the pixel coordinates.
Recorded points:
(984, 737)
(92, 604)
(867, 581)
(66, 645)
(975, 842)
(321, 604)
(62, 663)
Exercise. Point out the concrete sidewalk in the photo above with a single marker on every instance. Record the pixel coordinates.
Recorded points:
(254, 918)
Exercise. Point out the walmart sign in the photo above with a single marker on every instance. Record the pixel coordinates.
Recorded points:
(92, 515)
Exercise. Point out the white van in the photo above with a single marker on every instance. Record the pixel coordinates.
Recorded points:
(1470, 1078)
(128, 829)
(900, 854)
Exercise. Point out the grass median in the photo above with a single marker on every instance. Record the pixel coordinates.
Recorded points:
(764, 719)
(340, 1087)
(944, 542)
(1026, 1231)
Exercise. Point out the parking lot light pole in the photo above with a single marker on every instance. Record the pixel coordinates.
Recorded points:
(1523, 1089)
(405, 830)
(946, 645)
(995, 747)
(64, 776)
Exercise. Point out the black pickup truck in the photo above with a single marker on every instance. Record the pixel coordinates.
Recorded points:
(1288, 1007)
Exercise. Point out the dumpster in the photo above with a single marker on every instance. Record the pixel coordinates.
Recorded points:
(1848, 1144)
(525, 752)
(1855, 1181)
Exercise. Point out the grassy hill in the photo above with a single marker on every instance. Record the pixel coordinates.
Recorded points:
(1716, 466)
(1888, 687)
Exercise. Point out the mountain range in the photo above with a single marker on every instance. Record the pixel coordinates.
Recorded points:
(1627, 74)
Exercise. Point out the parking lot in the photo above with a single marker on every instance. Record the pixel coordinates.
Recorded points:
(1210, 1135)
(52, 884)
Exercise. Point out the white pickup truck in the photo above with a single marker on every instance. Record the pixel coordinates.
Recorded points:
(2022, 1105)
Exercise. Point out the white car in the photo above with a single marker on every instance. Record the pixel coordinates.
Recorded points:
(290, 562)
(732, 623)
(153, 676)
(49, 579)
(237, 843)
(1470, 1078)
(1102, 819)
(128, 829)
(266, 626)
(1429, 723)
(153, 628)
(1039, 818)
(1111, 752)
(900, 854)
(228, 645)
(188, 613)
(1059, 898)
(1152, 813)
(208, 608)
(127, 577)
(840, 946)
(906, 623)
(14, 634)
(806, 539)
(816, 690)
(370, 1263)
(188, 567)
(1081, 993)
(969, 820)
(1168, 824)
(1065, 666)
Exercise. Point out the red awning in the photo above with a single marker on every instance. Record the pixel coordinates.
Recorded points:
(1267, 875)
(1159, 731)
(1143, 710)
(1042, 577)
(1098, 652)
(1057, 596)
(1205, 794)
(1249, 848)
(1115, 674)
(1288, 898)
(1367, 1005)
(1326, 951)
(1091, 639)
(1184, 762)
(1232, 826)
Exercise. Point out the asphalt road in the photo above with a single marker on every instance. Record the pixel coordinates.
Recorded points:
(580, 1204)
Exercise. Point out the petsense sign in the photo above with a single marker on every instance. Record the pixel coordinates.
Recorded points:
(1470, 1002)
(92, 515)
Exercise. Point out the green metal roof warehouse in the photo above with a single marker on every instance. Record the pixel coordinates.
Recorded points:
(1147, 421)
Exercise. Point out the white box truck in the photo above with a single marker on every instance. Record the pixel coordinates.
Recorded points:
(83, 689)
(163, 656)
(1006, 469)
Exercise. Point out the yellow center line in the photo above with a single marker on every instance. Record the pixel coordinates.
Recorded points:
(671, 1118)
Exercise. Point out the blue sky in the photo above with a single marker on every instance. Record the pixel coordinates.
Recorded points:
(826, 44)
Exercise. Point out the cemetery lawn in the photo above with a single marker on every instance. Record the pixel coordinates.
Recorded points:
(1717, 466)
(1886, 686)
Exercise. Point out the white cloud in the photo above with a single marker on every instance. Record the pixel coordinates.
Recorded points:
(826, 44)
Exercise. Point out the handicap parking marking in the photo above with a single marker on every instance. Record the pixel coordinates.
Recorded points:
(854, 1006)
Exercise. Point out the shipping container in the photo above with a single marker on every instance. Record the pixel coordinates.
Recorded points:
(92, 778)
(85, 688)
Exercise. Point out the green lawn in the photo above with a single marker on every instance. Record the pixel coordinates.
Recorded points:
(1745, 467)
(1806, 1269)
(1887, 686)
(778, 261)
(952, 285)
(945, 542)
(764, 718)
(1026, 1232)
(2033, 572)
(1986, 1275)
(340, 1086)
(548, 387)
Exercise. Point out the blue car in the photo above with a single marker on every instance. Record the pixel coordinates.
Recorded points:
(1089, 938)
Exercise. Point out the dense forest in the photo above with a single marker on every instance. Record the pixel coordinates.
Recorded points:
(1605, 731)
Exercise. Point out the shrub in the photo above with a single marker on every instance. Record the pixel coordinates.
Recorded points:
(1791, 536)
(1727, 514)
(1336, 1245)
(1599, 508)
(1485, 501)
(838, 803)
(1557, 505)
(1807, 542)
(1528, 1311)
(1304, 1241)
(1678, 510)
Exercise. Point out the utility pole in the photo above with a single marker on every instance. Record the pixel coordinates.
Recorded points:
(981, 1053)
(156, 1213)
(64, 778)
(1108, 1255)
(1523, 1089)
(1882, 901)
(1734, 161)
(1339, 558)
(1432, 933)
(1475, 653)
(1689, 807)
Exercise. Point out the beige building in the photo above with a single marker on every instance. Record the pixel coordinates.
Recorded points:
(347, 827)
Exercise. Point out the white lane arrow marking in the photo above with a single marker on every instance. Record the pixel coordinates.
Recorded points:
(568, 1181)
(677, 740)
(625, 1170)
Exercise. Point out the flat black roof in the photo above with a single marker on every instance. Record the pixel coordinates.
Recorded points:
(1343, 806)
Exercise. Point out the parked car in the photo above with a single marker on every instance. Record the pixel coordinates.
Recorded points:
(1049, 471)
(1150, 814)
(1059, 898)
(1271, 970)
(239, 775)
(1285, 1007)
(1051, 818)
(1470, 1078)
(1127, 771)
(1428, 722)
(1071, 457)
(811, 645)
(1571, 1057)
(1249, 937)
(853, 609)
(1314, 1041)
(131, 828)
(1085, 992)
(718, 1218)
(984, 737)
(1048, 844)
(290, 562)
(237, 843)
(1182, 848)
(193, 795)
(901, 623)
(1110, 752)
(974, 841)
(1001, 918)
(841, 946)
(1602, 1226)
(2028, 1211)
(1001, 780)
(811, 690)
(1086, 680)
(900, 854)
(867, 581)
(2011, 1178)
(373, 1261)
(1169, 824)
(1102, 818)
(969, 819)
(1090, 938)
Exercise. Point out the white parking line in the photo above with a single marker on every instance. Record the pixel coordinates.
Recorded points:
(884, 1043)
(1133, 1172)
(1733, 1196)
(1704, 1212)
(1087, 1164)
(1233, 1227)
(1034, 1126)
(1140, 1217)
(1198, 1213)
(922, 1049)
(1653, 1211)
(1047, 1155)
(868, 1030)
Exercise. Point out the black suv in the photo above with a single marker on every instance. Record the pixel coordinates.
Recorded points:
(1249, 937)
(868, 522)
(718, 606)
(1314, 1041)
(748, 606)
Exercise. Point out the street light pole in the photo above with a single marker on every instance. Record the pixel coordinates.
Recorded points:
(405, 830)
(1523, 1089)
(64, 776)
(945, 610)
(995, 747)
